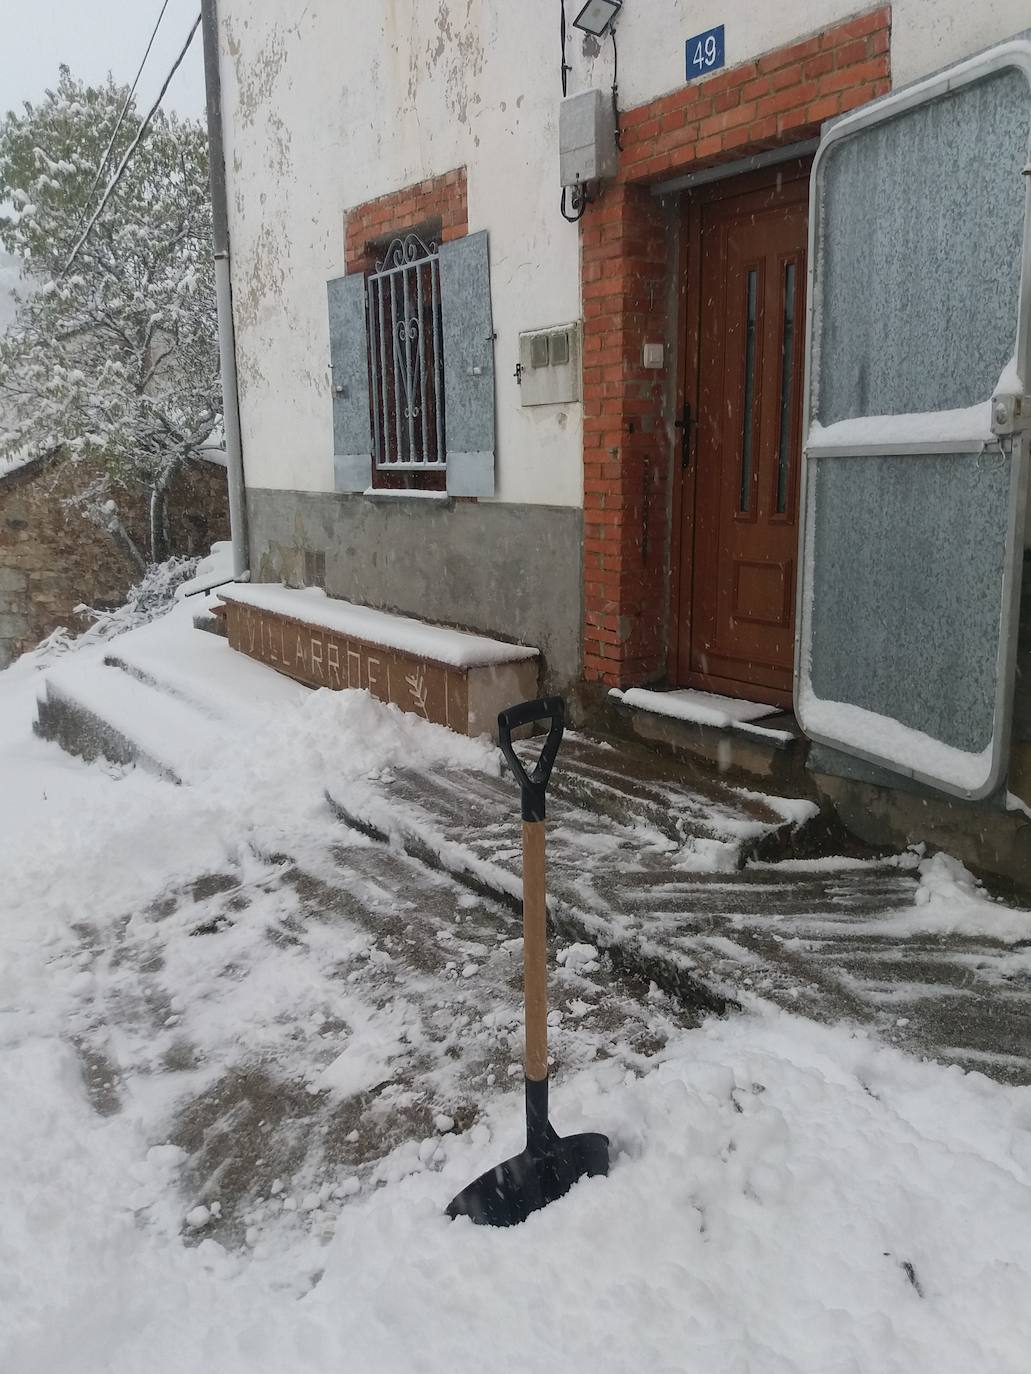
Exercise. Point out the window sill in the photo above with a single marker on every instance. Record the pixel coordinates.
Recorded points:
(388, 494)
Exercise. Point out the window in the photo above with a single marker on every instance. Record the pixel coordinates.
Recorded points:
(405, 349)
(411, 344)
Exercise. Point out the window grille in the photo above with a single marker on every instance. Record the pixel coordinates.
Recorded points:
(405, 359)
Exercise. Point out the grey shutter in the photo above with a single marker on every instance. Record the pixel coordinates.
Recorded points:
(913, 491)
(468, 365)
(348, 349)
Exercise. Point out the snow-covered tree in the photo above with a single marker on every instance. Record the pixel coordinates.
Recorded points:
(116, 359)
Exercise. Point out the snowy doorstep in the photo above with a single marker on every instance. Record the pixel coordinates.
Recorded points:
(703, 708)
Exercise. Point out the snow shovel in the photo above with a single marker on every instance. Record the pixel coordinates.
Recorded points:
(550, 1164)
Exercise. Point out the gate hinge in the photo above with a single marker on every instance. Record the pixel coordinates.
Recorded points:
(1010, 415)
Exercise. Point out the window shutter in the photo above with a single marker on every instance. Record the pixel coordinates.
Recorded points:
(468, 365)
(348, 349)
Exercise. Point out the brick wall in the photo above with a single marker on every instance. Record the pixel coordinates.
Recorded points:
(779, 98)
(370, 225)
(52, 558)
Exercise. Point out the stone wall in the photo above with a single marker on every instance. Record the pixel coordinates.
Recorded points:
(53, 558)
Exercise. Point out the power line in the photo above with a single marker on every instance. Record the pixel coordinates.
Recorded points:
(127, 158)
(122, 113)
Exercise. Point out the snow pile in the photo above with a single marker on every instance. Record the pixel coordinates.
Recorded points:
(216, 567)
(970, 426)
(889, 743)
(951, 901)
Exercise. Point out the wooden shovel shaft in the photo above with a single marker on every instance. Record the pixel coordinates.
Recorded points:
(535, 951)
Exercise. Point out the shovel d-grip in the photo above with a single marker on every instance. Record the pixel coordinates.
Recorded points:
(550, 1164)
(533, 785)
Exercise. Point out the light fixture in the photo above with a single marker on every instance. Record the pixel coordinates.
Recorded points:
(598, 16)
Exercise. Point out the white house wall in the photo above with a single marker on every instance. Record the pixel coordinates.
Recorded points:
(346, 104)
(351, 100)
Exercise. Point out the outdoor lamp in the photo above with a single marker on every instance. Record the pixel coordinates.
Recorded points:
(598, 16)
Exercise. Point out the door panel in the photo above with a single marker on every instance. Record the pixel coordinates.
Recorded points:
(738, 538)
(917, 432)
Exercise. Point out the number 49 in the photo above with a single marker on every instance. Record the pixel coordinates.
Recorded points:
(705, 52)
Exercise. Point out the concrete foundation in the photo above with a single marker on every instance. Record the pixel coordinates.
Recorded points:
(509, 571)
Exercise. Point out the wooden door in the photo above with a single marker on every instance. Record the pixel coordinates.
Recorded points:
(735, 574)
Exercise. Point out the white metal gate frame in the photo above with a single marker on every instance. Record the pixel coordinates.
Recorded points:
(1015, 54)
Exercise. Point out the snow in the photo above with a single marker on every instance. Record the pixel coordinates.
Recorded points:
(215, 568)
(708, 708)
(403, 494)
(702, 708)
(1010, 382)
(15, 462)
(971, 425)
(785, 1198)
(951, 901)
(792, 810)
(312, 606)
(898, 746)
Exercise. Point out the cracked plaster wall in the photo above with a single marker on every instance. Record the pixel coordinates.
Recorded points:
(341, 104)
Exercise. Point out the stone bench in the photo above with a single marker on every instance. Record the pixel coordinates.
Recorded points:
(446, 676)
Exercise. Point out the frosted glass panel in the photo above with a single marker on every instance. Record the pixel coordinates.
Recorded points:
(905, 621)
(906, 626)
(920, 254)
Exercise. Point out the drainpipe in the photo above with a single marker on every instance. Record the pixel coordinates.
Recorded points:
(224, 295)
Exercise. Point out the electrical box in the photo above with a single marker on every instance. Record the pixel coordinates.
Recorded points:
(587, 138)
(549, 366)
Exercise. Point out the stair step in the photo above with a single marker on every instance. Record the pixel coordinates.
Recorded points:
(200, 670)
(97, 711)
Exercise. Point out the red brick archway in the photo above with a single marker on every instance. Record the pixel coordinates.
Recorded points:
(779, 98)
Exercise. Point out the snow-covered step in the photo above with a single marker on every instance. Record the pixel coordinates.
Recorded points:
(200, 669)
(750, 739)
(631, 837)
(832, 938)
(98, 711)
(705, 708)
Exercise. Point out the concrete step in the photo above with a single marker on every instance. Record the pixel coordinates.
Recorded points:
(161, 696)
(772, 751)
(659, 877)
(95, 710)
(633, 845)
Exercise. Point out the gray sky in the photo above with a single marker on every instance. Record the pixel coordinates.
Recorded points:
(94, 37)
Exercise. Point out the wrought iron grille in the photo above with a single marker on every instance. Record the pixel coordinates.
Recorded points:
(406, 359)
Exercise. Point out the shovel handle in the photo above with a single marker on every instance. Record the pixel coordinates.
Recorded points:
(535, 912)
(533, 785)
(535, 953)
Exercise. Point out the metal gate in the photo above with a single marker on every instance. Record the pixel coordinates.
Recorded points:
(916, 449)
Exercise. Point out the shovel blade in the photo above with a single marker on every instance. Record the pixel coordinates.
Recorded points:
(507, 1194)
